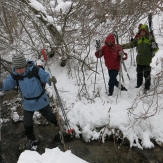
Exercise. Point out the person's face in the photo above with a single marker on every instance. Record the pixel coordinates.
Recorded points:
(109, 43)
(20, 70)
(142, 33)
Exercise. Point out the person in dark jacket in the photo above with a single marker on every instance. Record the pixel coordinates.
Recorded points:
(33, 94)
(146, 48)
(111, 52)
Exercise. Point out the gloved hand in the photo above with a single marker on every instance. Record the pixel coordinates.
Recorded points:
(154, 45)
(123, 55)
(53, 79)
(132, 39)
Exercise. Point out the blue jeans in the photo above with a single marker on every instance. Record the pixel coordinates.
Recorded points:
(113, 79)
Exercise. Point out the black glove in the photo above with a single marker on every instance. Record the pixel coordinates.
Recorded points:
(53, 79)
(132, 39)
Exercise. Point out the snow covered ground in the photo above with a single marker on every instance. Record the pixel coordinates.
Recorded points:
(50, 155)
(136, 115)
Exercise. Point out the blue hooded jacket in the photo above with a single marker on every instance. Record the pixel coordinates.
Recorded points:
(30, 87)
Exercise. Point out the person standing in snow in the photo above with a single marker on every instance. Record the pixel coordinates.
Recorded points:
(111, 52)
(146, 48)
(34, 96)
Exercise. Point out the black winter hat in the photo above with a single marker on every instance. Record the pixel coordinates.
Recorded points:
(19, 61)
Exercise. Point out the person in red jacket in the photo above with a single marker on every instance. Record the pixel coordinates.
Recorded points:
(111, 52)
(138, 34)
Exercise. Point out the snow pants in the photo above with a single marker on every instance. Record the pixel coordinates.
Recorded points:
(144, 70)
(28, 120)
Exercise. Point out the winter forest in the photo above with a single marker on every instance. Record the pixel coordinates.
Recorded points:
(67, 30)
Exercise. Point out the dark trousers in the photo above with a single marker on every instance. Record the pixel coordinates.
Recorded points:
(144, 70)
(28, 120)
(113, 80)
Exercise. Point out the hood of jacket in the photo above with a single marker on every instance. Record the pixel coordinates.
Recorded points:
(144, 27)
(110, 38)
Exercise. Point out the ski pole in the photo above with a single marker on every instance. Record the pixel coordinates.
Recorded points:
(120, 74)
(58, 97)
(97, 47)
(132, 49)
(103, 75)
(0, 105)
(125, 69)
(150, 23)
(98, 44)
(69, 130)
(61, 130)
(62, 109)
(95, 76)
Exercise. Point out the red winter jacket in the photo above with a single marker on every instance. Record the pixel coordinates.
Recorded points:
(111, 53)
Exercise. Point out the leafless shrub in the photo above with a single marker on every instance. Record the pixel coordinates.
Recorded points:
(26, 29)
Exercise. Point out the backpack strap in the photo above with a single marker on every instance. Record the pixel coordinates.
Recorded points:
(34, 73)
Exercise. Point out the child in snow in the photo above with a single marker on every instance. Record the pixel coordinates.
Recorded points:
(111, 52)
(146, 48)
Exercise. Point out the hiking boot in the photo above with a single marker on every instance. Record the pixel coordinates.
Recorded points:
(145, 91)
(137, 86)
(123, 88)
(31, 143)
(110, 94)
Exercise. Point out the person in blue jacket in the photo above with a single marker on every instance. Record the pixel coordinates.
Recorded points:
(34, 96)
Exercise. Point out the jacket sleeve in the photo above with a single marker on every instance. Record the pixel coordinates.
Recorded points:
(130, 44)
(100, 53)
(8, 84)
(44, 76)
